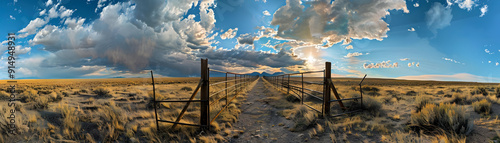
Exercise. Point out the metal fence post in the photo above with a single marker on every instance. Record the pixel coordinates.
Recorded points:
(326, 93)
(205, 115)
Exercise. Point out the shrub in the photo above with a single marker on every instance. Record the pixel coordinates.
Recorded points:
(102, 92)
(421, 101)
(456, 90)
(41, 102)
(448, 117)
(369, 88)
(483, 106)
(371, 105)
(411, 93)
(303, 117)
(4, 95)
(440, 92)
(187, 88)
(479, 90)
(459, 98)
(497, 93)
(70, 122)
(29, 95)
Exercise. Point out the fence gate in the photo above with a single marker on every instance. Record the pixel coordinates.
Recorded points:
(283, 81)
(240, 81)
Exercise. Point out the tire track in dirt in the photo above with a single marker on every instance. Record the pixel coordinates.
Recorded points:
(261, 122)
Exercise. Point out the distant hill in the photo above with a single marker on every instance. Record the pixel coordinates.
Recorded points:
(266, 74)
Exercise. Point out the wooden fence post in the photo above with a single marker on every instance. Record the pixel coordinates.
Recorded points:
(326, 86)
(205, 115)
(302, 98)
(288, 85)
(226, 88)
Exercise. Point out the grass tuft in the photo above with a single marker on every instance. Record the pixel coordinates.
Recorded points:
(303, 117)
(482, 107)
(372, 105)
(102, 92)
(448, 117)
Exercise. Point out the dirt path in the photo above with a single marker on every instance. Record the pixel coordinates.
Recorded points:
(261, 122)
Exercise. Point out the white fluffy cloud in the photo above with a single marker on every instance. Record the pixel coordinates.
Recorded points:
(484, 9)
(48, 3)
(438, 17)
(332, 22)
(12, 17)
(355, 54)
(32, 27)
(411, 29)
(230, 33)
(266, 13)
(349, 47)
(383, 64)
(416, 5)
(463, 4)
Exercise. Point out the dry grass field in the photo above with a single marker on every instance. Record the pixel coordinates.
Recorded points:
(405, 111)
(120, 110)
(107, 110)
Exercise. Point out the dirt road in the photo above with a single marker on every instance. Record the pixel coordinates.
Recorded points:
(261, 122)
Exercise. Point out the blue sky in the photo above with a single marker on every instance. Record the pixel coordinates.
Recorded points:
(413, 39)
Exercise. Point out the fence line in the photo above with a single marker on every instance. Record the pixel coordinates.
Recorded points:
(279, 82)
(241, 81)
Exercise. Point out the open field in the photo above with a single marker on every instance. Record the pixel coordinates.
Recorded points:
(109, 110)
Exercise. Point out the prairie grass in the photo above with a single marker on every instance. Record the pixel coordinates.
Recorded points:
(102, 92)
(372, 105)
(421, 101)
(443, 118)
(482, 107)
(303, 118)
(70, 123)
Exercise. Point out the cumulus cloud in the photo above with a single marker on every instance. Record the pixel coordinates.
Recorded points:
(73, 22)
(409, 64)
(438, 17)
(255, 59)
(463, 4)
(331, 22)
(12, 17)
(348, 47)
(416, 5)
(266, 13)
(32, 27)
(484, 9)
(42, 12)
(48, 3)
(411, 29)
(417, 65)
(247, 38)
(135, 36)
(100, 4)
(355, 54)
(383, 64)
(230, 33)
(496, 64)
(405, 59)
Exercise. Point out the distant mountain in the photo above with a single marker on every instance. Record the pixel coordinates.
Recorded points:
(266, 74)
(255, 73)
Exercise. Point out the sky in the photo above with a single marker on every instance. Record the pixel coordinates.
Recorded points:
(450, 40)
